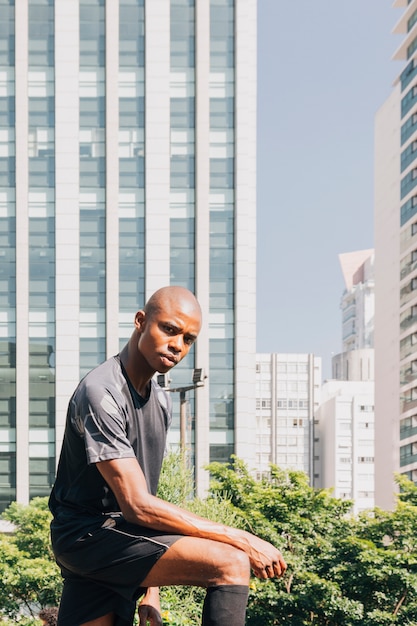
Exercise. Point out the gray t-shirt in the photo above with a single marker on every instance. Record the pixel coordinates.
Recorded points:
(106, 419)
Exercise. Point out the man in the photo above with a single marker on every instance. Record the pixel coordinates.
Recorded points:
(112, 537)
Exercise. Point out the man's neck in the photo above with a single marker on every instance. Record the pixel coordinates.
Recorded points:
(137, 372)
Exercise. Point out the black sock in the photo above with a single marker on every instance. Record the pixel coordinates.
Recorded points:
(225, 605)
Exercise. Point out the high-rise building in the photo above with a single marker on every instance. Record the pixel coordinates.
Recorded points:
(358, 299)
(127, 162)
(356, 361)
(396, 269)
(344, 443)
(287, 396)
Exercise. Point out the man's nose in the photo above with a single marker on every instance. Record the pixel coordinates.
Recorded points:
(176, 343)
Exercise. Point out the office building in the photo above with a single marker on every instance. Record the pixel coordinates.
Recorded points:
(127, 162)
(344, 445)
(396, 269)
(345, 434)
(356, 361)
(287, 396)
(358, 299)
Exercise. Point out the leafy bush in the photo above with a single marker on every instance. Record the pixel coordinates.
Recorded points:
(29, 576)
(343, 571)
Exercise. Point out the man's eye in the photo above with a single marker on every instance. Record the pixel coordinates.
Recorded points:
(189, 341)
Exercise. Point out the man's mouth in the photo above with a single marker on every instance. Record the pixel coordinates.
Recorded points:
(169, 357)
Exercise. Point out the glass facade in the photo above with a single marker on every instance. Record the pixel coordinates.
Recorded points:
(408, 259)
(92, 185)
(408, 74)
(408, 155)
(8, 257)
(131, 162)
(408, 128)
(182, 179)
(77, 69)
(222, 224)
(41, 213)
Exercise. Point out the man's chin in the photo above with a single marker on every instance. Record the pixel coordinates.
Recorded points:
(165, 368)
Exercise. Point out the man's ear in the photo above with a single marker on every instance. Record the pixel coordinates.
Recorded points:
(140, 320)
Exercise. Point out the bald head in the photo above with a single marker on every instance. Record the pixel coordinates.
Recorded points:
(165, 298)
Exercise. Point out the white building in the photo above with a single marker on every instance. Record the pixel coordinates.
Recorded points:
(358, 300)
(344, 446)
(127, 162)
(287, 395)
(345, 427)
(396, 269)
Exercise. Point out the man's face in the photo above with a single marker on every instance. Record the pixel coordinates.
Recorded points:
(167, 335)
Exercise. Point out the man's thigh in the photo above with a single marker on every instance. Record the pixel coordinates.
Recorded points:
(117, 558)
(200, 562)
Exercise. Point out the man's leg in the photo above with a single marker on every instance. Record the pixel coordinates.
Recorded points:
(224, 570)
(200, 562)
(225, 604)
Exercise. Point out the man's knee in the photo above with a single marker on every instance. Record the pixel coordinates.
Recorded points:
(234, 566)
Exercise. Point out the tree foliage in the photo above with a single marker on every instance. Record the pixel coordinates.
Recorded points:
(29, 576)
(342, 570)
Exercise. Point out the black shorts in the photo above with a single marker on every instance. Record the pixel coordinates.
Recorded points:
(103, 572)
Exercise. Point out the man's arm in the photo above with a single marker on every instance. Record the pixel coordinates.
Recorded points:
(150, 608)
(126, 480)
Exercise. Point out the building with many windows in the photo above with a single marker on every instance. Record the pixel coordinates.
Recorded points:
(344, 445)
(345, 442)
(287, 395)
(396, 268)
(358, 300)
(356, 361)
(127, 162)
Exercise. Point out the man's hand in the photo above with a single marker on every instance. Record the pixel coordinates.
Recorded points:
(266, 560)
(149, 616)
(149, 610)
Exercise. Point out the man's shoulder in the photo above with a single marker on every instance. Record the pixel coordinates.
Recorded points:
(106, 374)
(104, 380)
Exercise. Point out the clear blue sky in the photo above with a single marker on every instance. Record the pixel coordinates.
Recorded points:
(324, 69)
